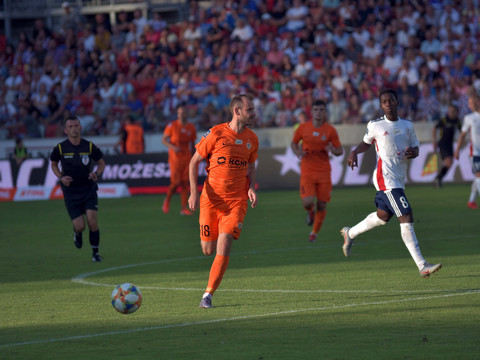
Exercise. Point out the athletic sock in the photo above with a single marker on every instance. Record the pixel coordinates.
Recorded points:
(217, 271)
(95, 241)
(477, 184)
(410, 240)
(473, 192)
(371, 221)
(78, 236)
(170, 192)
(442, 173)
(319, 217)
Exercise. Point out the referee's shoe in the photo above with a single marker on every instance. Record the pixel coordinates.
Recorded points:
(77, 240)
(96, 258)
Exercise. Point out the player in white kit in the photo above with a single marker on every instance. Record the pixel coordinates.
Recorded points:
(471, 126)
(395, 142)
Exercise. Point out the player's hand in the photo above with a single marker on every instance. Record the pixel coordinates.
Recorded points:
(66, 180)
(300, 154)
(176, 148)
(193, 201)
(352, 160)
(411, 153)
(93, 176)
(252, 196)
(456, 154)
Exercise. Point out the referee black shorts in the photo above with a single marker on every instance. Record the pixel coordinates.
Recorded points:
(77, 202)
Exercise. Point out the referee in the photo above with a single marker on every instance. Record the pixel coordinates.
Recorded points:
(78, 181)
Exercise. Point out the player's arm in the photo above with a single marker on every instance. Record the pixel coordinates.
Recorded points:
(460, 141)
(297, 149)
(251, 173)
(352, 160)
(65, 180)
(335, 150)
(194, 199)
(168, 144)
(100, 167)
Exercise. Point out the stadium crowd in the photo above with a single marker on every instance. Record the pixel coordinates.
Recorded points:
(284, 53)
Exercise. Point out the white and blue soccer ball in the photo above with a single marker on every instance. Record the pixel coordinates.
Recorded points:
(126, 298)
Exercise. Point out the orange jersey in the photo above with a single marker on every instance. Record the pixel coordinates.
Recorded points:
(316, 163)
(228, 155)
(180, 135)
(134, 141)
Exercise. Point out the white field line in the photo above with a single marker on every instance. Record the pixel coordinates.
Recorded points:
(246, 317)
(81, 278)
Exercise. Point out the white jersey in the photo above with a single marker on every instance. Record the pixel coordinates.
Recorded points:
(391, 138)
(471, 125)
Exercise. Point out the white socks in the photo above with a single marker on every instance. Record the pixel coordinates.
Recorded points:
(371, 221)
(410, 240)
(473, 191)
(406, 230)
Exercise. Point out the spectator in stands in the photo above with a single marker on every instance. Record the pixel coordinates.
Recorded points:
(71, 18)
(330, 37)
(428, 105)
(139, 20)
(296, 15)
(242, 31)
(266, 111)
(337, 109)
(370, 108)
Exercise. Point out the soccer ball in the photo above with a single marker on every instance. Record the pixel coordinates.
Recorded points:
(126, 298)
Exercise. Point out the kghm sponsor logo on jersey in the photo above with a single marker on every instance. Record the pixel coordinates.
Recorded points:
(235, 163)
(313, 152)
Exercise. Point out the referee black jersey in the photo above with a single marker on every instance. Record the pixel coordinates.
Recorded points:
(77, 161)
(447, 127)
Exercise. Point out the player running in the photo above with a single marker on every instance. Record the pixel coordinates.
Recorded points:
(471, 125)
(312, 143)
(395, 142)
(179, 136)
(230, 150)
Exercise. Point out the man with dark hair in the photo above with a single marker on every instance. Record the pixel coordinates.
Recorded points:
(395, 143)
(230, 150)
(78, 182)
(312, 143)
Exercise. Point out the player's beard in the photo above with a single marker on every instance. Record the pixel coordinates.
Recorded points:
(246, 121)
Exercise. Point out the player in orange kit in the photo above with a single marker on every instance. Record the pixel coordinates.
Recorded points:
(230, 150)
(179, 136)
(312, 143)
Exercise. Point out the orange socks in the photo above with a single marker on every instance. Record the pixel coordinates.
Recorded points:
(170, 192)
(217, 270)
(319, 217)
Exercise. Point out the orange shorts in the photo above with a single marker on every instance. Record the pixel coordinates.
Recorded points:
(221, 218)
(321, 191)
(178, 172)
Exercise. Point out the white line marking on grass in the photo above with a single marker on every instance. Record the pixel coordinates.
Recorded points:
(81, 278)
(246, 317)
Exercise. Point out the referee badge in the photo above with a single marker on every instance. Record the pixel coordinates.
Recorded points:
(85, 159)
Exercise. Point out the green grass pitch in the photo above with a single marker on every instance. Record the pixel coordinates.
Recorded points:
(281, 297)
